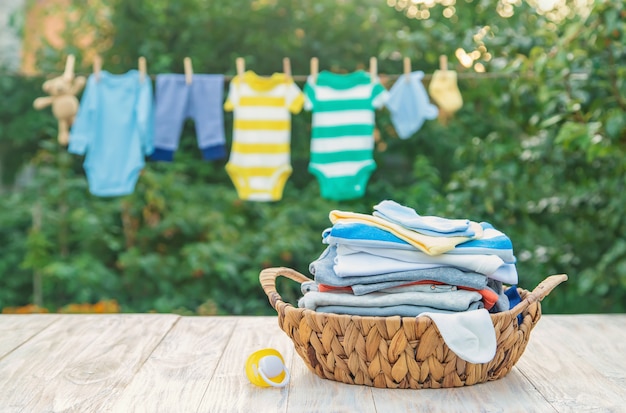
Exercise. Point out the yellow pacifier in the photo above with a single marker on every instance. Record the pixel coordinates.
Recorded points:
(266, 368)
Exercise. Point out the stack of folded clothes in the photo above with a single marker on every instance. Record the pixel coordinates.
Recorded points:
(396, 262)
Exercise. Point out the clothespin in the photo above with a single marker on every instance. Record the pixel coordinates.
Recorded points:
(314, 68)
(69, 67)
(443, 62)
(241, 66)
(373, 68)
(287, 67)
(407, 68)
(97, 66)
(188, 70)
(142, 69)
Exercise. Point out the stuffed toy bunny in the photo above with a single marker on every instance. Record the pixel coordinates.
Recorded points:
(62, 92)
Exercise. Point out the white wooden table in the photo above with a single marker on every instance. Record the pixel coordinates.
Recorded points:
(167, 363)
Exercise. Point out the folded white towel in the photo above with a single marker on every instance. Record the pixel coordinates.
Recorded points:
(362, 264)
(469, 334)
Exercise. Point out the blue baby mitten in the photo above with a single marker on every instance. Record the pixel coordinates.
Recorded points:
(409, 105)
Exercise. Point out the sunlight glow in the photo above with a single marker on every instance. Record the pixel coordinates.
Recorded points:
(420, 9)
(465, 59)
(448, 12)
(558, 10)
(554, 10)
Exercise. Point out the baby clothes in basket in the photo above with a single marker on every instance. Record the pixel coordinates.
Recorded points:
(469, 334)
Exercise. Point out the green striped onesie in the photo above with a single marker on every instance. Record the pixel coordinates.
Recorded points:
(342, 136)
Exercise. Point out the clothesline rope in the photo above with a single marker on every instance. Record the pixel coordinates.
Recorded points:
(303, 78)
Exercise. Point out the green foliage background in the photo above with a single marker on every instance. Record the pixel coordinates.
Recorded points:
(537, 150)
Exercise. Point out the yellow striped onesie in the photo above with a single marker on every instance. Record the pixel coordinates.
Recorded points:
(260, 156)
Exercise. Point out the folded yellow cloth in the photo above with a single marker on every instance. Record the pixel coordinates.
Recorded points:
(429, 244)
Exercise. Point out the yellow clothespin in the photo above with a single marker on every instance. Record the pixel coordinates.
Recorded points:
(443, 62)
(188, 70)
(287, 67)
(142, 68)
(314, 68)
(97, 66)
(241, 66)
(373, 68)
(69, 67)
(407, 68)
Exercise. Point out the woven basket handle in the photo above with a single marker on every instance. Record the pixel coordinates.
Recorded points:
(268, 282)
(539, 292)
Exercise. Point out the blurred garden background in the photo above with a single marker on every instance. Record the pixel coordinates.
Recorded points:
(538, 148)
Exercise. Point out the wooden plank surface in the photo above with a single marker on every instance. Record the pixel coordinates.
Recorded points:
(15, 329)
(230, 390)
(511, 394)
(594, 338)
(80, 362)
(178, 372)
(311, 393)
(562, 364)
(163, 363)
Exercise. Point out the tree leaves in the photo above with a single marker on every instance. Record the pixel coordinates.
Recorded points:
(537, 150)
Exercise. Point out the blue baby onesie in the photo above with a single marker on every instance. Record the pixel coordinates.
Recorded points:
(114, 128)
(409, 105)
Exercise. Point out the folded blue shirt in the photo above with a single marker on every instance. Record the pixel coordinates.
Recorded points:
(427, 225)
(492, 242)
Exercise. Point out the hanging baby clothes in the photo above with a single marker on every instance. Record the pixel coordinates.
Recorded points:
(444, 90)
(409, 105)
(260, 158)
(114, 128)
(201, 100)
(342, 140)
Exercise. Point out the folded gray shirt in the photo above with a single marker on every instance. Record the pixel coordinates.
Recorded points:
(322, 270)
(399, 310)
(459, 300)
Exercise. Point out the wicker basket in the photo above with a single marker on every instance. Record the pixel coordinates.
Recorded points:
(398, 352)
